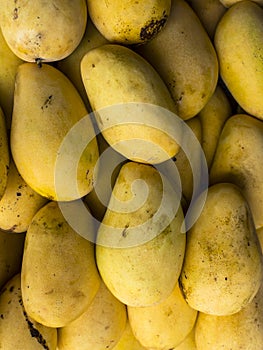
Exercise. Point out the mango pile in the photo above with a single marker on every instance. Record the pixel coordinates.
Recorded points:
(131, 190)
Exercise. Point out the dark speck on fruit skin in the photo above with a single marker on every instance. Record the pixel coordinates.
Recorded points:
(152, 28)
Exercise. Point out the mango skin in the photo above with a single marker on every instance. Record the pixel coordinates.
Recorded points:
(43, 30)
(4, 154)
(129, 22)
(8, 68)
(237, 160)
(242, 330)
(222, 269)
(121, 85)
(241, 65)
(19, 203)
(99, 327)
(58, 264)
(46, 108)
(229, 3)
(171, 321)
(183, 54)
(29, 334)
(135, 227)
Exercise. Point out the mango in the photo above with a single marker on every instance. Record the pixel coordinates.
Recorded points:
(143, 222)
(222, 269)
(8, 68)
(43, 31)
(129, 22)
(19, 203)
(209, 13)
(242, 330)
(29, 334)
(171, 321)
(53, 141)
(184, 56)
(241, 64)
(238, 160)
(132, 105)
(213, 117)
(99, 327)
(59, 274)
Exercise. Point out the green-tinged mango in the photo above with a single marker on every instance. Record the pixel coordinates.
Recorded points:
(4, 153)
(243, 330)
(132, 105)
(129, 22)
(8, 68)
(99, 327)
(17, 329)
(213, 117)
(19, 203)
(59, 274)
(43, 30)
(238, 42)
(140, 242)
(165, 325)
(183, 54)
(222, 269)
(53, 142)
(238, 159)
(11, 254)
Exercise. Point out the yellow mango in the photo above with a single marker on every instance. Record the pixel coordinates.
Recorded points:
(59, 274)
(183, 54)
(188, 343)
(11, 253)
(238, 42)
(132, 105)
(129, 22)
(222, 268)
(43, 30)
(143, 223)
(8, 68)
(242, 330)
(17, 329)
(128, 340)
(238, 160)
(99, 327)
(70, 65)
(109, 167)
(53, 141)
(209, 13)
(19, 203)
(165, 325)
(213, 117)
(4, 153)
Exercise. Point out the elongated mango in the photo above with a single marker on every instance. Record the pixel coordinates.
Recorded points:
(53, 141)
(132, 105)
(183, 54)
(238, 160)
(143, 223)
(222, 270)
(59, 275)
(238, 42)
